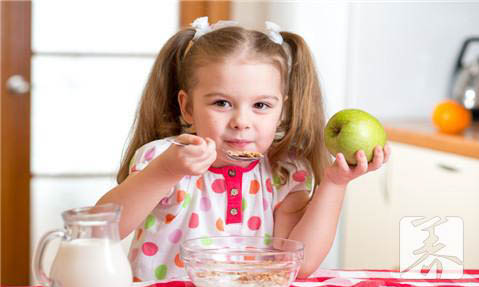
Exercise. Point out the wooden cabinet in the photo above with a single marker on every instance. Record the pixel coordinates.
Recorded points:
(415, 182)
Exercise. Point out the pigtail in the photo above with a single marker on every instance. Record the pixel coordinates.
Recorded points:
(304, 118)
(158, 112)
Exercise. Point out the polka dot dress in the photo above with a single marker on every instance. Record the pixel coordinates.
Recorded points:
(230, 200)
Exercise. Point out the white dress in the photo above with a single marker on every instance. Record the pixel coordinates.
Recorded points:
(230, 200)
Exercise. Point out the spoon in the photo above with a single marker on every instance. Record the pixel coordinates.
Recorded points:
(234, 156)
(230, 154)
(175, 142)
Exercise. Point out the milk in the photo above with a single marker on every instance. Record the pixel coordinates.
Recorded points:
(91, 263)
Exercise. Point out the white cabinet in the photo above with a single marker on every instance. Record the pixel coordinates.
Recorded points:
(415, 182)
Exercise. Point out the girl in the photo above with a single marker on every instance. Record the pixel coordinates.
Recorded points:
(218, 88)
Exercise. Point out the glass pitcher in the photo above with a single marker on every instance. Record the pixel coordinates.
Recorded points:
(90, 253)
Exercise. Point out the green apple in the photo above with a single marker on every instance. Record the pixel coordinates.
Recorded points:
(351, 130)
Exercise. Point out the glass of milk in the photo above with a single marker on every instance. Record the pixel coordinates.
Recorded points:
(90, 252)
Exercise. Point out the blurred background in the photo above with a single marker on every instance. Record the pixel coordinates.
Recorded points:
(83, 65)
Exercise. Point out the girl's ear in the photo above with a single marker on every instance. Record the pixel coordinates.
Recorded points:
(185, 107)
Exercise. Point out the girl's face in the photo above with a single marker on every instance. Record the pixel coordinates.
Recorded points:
(238, 104)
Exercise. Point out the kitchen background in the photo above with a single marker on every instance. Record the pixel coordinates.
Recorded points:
(91, 60)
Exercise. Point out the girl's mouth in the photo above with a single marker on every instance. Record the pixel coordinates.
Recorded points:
(238, 144)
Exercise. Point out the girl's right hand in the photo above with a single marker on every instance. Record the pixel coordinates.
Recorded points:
(193, 159)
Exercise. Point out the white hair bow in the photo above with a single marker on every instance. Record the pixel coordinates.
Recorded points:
(202, 27)
(273, 32)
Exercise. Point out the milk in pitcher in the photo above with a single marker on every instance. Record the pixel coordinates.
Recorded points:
(92, 262)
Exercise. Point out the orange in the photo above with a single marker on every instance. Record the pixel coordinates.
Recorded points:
(451, 117)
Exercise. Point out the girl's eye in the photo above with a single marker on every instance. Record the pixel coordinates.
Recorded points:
(222, 103)
(261, 106)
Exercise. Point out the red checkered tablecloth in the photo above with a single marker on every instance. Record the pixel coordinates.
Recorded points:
(360, 278)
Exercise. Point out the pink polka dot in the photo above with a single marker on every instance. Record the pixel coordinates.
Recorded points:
(268, 185)
(149, 248)
(149, 154)
(175, 236)
(194, 220)
(205, 204)
(265, 204)
(300, 176)
(133, 254)
(133, 168)
(164, 202)
(254, 222)
(219, 186)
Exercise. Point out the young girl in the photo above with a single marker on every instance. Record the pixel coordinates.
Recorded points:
(219, 88)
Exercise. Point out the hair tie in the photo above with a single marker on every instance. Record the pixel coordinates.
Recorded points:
(273, 30)
(202, 26)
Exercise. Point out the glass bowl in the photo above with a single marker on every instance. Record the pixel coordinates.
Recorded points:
(242, 261)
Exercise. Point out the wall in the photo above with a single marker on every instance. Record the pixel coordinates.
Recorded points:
(402, 54)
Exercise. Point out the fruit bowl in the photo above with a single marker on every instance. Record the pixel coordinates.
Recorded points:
(242, 261)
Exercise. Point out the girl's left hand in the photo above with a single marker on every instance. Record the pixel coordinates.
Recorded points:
(341, 173)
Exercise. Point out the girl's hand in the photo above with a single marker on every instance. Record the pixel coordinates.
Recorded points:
(193, 159)
(341, 173)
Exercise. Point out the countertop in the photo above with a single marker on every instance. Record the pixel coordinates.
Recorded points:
(422, 133)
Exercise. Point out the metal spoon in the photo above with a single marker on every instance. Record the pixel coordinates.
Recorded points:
(227, 153)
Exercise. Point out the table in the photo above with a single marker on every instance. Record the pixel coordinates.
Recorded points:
(358, 278)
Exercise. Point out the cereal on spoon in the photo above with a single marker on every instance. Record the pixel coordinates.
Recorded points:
(245, 154)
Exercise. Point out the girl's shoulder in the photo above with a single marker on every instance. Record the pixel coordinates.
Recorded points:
(146, 153)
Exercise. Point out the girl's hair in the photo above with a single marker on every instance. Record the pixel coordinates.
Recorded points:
(303, 118)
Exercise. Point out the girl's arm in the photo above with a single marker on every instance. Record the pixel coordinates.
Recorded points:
(315, 223)
(141, 192)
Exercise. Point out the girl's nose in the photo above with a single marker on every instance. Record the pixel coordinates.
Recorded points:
(241, 120)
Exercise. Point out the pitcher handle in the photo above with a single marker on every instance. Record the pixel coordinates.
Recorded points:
(37, 268)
